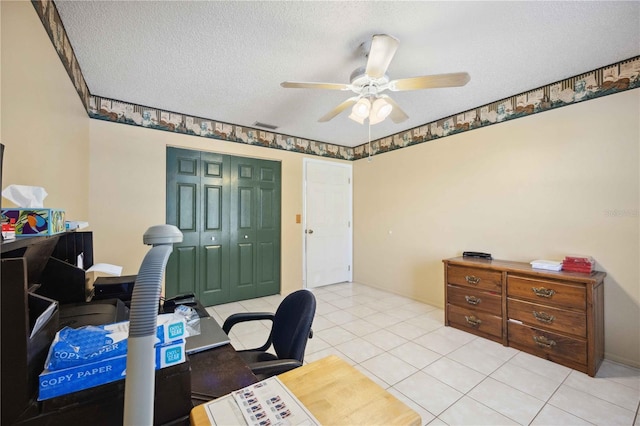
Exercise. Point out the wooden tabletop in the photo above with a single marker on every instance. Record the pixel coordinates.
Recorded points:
(338, 394)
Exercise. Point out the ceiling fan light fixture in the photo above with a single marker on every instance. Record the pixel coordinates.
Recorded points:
(356, 118)
(379, 110)
(362, 108)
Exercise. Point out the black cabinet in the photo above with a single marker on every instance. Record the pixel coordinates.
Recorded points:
(26, 289)
(36, 273)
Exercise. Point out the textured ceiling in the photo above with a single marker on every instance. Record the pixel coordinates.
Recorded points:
(225, 60)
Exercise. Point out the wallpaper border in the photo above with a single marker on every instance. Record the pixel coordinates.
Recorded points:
(603, 81)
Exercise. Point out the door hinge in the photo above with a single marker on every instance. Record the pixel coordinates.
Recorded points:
(349, 224)
(348, 180)
(349, 268)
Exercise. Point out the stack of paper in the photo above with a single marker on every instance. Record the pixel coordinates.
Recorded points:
(549, 265)
(89, 356)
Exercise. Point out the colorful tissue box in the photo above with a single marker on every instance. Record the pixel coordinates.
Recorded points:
(32, 222)
(81, 377)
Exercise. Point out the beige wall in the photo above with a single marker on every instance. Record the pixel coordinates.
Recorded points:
(538, 187)
(128, 192)
(45, 128)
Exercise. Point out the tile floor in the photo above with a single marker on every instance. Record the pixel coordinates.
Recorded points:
(446, 375)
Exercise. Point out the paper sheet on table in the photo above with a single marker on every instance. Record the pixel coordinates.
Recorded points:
(106, 268)
(266, 403)
(42, 319)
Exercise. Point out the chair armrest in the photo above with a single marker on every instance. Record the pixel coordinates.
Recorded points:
(275, 367)
(244, 317)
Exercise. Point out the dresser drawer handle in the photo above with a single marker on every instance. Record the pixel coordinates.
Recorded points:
(543, 292)
(472, 300)
(472, 279)
(543, 317)
(472, 321)
(544, 342)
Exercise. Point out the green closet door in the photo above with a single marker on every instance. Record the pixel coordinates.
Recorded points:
(268, 228)
(183, 210)
(214, 233)
(255, 228)
(228, 209)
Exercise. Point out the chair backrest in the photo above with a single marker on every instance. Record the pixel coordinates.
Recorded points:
(292, 324)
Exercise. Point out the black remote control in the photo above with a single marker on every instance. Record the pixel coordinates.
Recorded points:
(477, 254)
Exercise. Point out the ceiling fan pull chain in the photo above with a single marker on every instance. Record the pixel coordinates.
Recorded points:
(369, 159)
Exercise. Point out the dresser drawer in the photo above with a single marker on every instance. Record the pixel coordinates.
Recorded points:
(547, 317)
(475, 299)
(470, 320)
(545, 344)
(475, 278)
(555, 293)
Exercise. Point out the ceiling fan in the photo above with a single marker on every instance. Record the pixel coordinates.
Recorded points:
(370, 81)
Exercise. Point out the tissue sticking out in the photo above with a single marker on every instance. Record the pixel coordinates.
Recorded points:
(25, 196)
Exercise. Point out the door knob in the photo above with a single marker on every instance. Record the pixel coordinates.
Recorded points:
(309, 231)
(246, 236)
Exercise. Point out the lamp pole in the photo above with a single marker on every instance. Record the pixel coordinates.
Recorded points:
(141, 363)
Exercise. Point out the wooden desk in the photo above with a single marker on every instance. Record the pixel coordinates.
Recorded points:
(338, 394)
(217, 372)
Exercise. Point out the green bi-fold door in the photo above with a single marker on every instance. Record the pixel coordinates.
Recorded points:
(228, 209)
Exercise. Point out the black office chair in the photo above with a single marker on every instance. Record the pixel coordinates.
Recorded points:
(290, 330)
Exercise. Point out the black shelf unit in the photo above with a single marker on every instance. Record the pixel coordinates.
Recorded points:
(33, 269)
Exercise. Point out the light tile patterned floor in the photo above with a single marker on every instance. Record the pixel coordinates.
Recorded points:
(446, 375)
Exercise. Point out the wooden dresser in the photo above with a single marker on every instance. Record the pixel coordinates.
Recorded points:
(554, 315)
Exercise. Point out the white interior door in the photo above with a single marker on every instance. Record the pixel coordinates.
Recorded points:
(327, 222)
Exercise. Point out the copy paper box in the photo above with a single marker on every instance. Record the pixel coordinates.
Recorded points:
(81, 377)
(77, 346)
(31, 222)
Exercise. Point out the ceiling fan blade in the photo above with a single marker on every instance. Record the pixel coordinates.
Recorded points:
(383, 47)
(397, 115)
(301, 85)
(337, 110)
(430, 81)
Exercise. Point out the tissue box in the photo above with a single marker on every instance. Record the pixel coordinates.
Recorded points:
(68, 380)
(36, 221)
